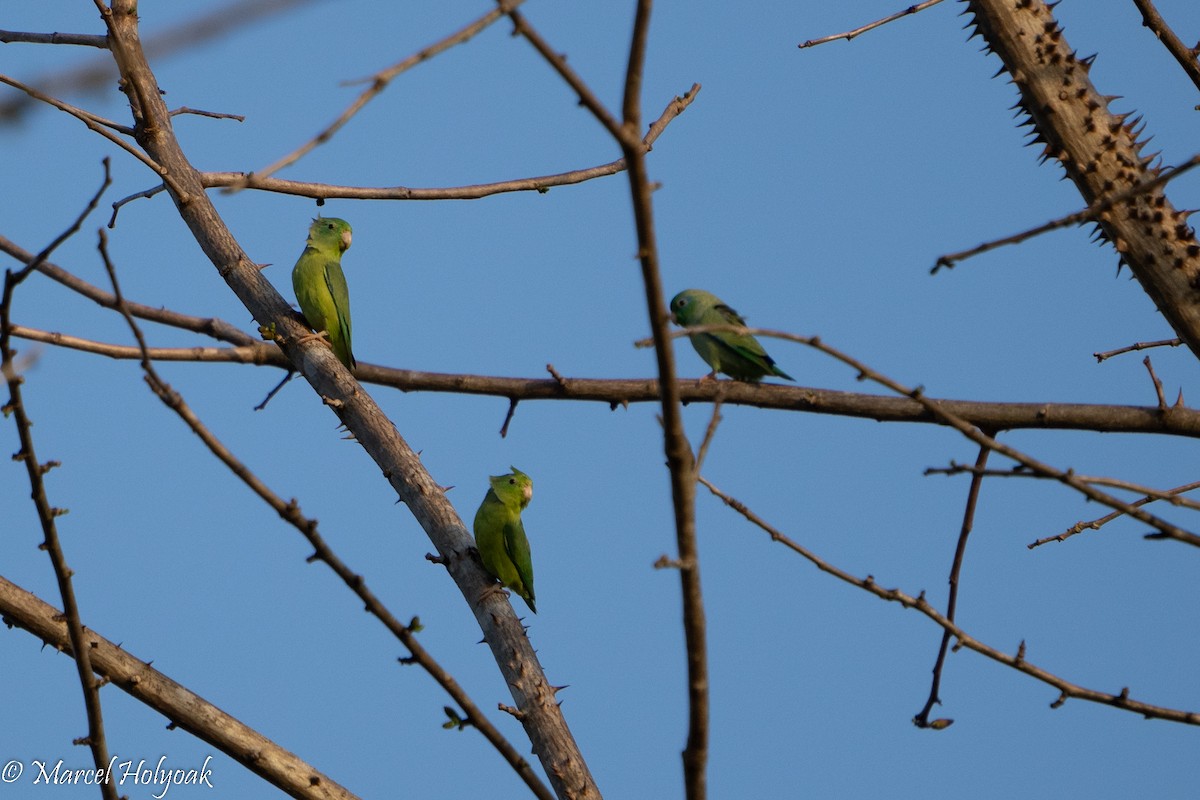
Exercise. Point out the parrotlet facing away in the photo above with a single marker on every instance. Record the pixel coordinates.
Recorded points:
(321, 287)
(738, 355)
(500, 536)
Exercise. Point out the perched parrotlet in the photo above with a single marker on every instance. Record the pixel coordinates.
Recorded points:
(500, 536)
(321, 287)
(738, 355)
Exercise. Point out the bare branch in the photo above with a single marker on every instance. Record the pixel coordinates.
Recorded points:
(208, 326)
(1092, 213)
(1102, 357)
(921, 720)
(1017, 662)
(47, 514)
(326, 191)
(1186, 56)
(848, 35)
(1096, 524)
(94, 123)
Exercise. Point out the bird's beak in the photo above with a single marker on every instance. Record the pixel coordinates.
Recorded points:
(528, 492)
(345, 241)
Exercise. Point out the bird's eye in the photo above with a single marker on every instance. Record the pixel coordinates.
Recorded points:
(512, 481)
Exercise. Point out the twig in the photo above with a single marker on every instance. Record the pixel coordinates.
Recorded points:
(84, 39)
(1017, 662)
(1096, 524)
(1102, 357)
(1083, 215)
(848, 35)
(512, 409)
(47, 514)
(1186, 56)
(211, 114)
(289, 511)
(379, 81)
(291, 373)
(1158, 387)
(709, 434)
(1177, 421)
(921, 720)
(1094, 480)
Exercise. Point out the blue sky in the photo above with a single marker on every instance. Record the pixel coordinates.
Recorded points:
(812, 190)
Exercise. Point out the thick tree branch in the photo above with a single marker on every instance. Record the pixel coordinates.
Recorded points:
(1174, 421)
(1101, 153)
(533, 695)
(183, 708)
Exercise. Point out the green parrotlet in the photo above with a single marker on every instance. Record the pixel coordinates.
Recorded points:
(738, 355)
(500, 536)
(321, 287)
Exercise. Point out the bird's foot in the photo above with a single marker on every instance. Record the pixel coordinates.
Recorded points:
(495, 588)
(308, 337)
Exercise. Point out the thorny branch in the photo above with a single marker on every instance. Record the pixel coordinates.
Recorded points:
(80, 642)
(290, 512)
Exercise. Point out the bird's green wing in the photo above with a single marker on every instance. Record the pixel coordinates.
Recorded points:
(335, 283)
(740, 354)
(516, 545)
